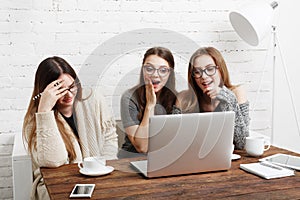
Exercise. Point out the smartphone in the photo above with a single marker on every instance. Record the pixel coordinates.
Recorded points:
(82, 190)
(284, 160)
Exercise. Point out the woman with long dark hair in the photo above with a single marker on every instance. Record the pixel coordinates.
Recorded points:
(155, 94)
(65, 123)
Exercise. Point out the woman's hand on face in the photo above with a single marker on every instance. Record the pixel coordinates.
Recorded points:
(51, 94)
(212, 92)
(150, 94)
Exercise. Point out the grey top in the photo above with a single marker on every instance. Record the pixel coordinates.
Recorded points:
(228, 102)
(129, 115)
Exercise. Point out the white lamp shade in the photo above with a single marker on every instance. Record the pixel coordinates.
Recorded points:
(252, 21)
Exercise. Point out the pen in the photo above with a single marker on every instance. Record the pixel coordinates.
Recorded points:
(270, 165)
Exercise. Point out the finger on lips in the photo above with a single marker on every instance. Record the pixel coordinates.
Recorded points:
(206, 91)
(148, 81)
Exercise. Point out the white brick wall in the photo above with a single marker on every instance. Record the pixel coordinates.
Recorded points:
(33, 30)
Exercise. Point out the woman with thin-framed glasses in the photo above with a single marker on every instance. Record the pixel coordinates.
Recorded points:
(65, 123)
(210, 90)
(154, 95)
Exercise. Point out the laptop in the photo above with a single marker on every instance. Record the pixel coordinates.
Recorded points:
(188, 143)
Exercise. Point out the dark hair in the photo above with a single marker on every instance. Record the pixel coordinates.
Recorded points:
(48, 71)
(168, 92)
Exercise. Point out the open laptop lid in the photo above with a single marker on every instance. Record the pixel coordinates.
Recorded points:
(190, 143)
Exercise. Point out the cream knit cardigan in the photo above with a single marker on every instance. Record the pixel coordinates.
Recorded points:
(97, 137)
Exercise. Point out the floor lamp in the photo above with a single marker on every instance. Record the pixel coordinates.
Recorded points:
(252, 22)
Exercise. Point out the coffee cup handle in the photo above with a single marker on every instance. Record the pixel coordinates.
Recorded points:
(268, 144)
(80, 165)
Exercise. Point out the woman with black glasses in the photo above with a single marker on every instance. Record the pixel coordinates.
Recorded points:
(65, 123)
(210, 90)
(155, 94)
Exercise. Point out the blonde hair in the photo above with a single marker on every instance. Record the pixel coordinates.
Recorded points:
(190, 102)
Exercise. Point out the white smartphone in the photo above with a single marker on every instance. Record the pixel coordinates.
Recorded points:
(284, 160)
(82, 190)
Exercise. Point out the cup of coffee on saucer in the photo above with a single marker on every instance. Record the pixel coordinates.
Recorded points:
(255, 146)
(94, 166)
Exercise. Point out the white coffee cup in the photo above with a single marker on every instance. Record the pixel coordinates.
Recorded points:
(255, 146)
(92, 164)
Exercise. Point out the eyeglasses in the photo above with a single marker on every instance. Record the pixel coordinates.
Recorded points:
(209, 71)
(163, 71)
(73, 88)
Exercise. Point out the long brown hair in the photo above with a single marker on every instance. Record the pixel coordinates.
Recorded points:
(194, 93)
(168, 94)
(48, 71)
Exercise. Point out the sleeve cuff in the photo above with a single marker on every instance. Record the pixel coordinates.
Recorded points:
(244, 107)
(225, 94)
(45, 120)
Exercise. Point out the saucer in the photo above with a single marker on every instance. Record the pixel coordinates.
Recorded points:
(108, 170)
(235, 156)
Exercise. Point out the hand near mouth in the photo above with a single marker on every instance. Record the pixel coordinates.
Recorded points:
(150, 94)
(212, 92)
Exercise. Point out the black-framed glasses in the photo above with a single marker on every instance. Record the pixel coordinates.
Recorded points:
(73, 88)
(209, 71)
(162, 71)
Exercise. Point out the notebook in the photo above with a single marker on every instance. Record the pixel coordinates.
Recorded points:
(267, 170)
(188, 143)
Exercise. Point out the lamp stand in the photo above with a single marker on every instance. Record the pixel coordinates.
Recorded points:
(273, 92)
(276, 45)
